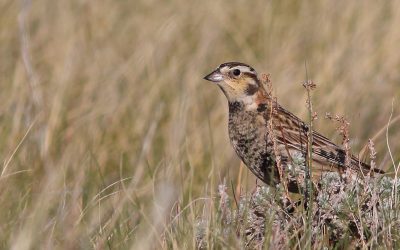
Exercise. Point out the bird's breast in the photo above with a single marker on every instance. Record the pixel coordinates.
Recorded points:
(248, 135)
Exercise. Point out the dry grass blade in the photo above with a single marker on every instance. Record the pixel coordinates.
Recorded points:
(106, 123)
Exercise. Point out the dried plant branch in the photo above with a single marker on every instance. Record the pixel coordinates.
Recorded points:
(267, 83)
(309, 86)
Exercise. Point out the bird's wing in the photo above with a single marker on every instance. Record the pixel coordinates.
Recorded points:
(292, 133)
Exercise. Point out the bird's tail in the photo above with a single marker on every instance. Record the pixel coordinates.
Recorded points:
(365, 168)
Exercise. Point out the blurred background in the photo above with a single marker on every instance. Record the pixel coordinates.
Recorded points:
(107, 127)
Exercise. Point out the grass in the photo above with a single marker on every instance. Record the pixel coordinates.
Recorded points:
(111, 139)
(353, 214)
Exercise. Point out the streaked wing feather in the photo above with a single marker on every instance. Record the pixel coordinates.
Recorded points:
(292, 132)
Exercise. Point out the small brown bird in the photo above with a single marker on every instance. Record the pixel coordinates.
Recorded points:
(271, 141)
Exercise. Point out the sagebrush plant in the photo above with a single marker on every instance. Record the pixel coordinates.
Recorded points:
(359, 213)
(110, 140)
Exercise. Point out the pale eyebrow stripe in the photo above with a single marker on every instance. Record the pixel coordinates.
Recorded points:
(244, 69)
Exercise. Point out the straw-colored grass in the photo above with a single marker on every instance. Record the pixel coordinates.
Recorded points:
(109, 136)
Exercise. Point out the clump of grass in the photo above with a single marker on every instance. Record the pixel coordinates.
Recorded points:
(356, 214)
(106, 124)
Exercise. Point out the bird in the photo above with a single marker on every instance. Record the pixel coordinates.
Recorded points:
(273, 142)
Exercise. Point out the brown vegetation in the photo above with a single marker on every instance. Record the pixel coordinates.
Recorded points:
(110, 137)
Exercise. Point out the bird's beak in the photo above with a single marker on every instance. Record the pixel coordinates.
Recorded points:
(215, 76)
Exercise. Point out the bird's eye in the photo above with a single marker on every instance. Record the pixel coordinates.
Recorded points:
(236, 72)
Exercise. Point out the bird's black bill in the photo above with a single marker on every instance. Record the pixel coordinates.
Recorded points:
(214, 76)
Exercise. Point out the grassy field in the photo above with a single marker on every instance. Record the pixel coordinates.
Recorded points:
(111, 139)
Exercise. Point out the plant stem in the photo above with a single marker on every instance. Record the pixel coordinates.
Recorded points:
(308, 179)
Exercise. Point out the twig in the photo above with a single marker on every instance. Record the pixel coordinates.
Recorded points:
(309, 85)
(266, 81)
(396, 169)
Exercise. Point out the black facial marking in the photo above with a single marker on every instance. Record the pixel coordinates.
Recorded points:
(262, 107)
(251, 89)
(251, 75)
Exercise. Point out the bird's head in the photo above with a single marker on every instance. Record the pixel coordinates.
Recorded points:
(237, 80)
